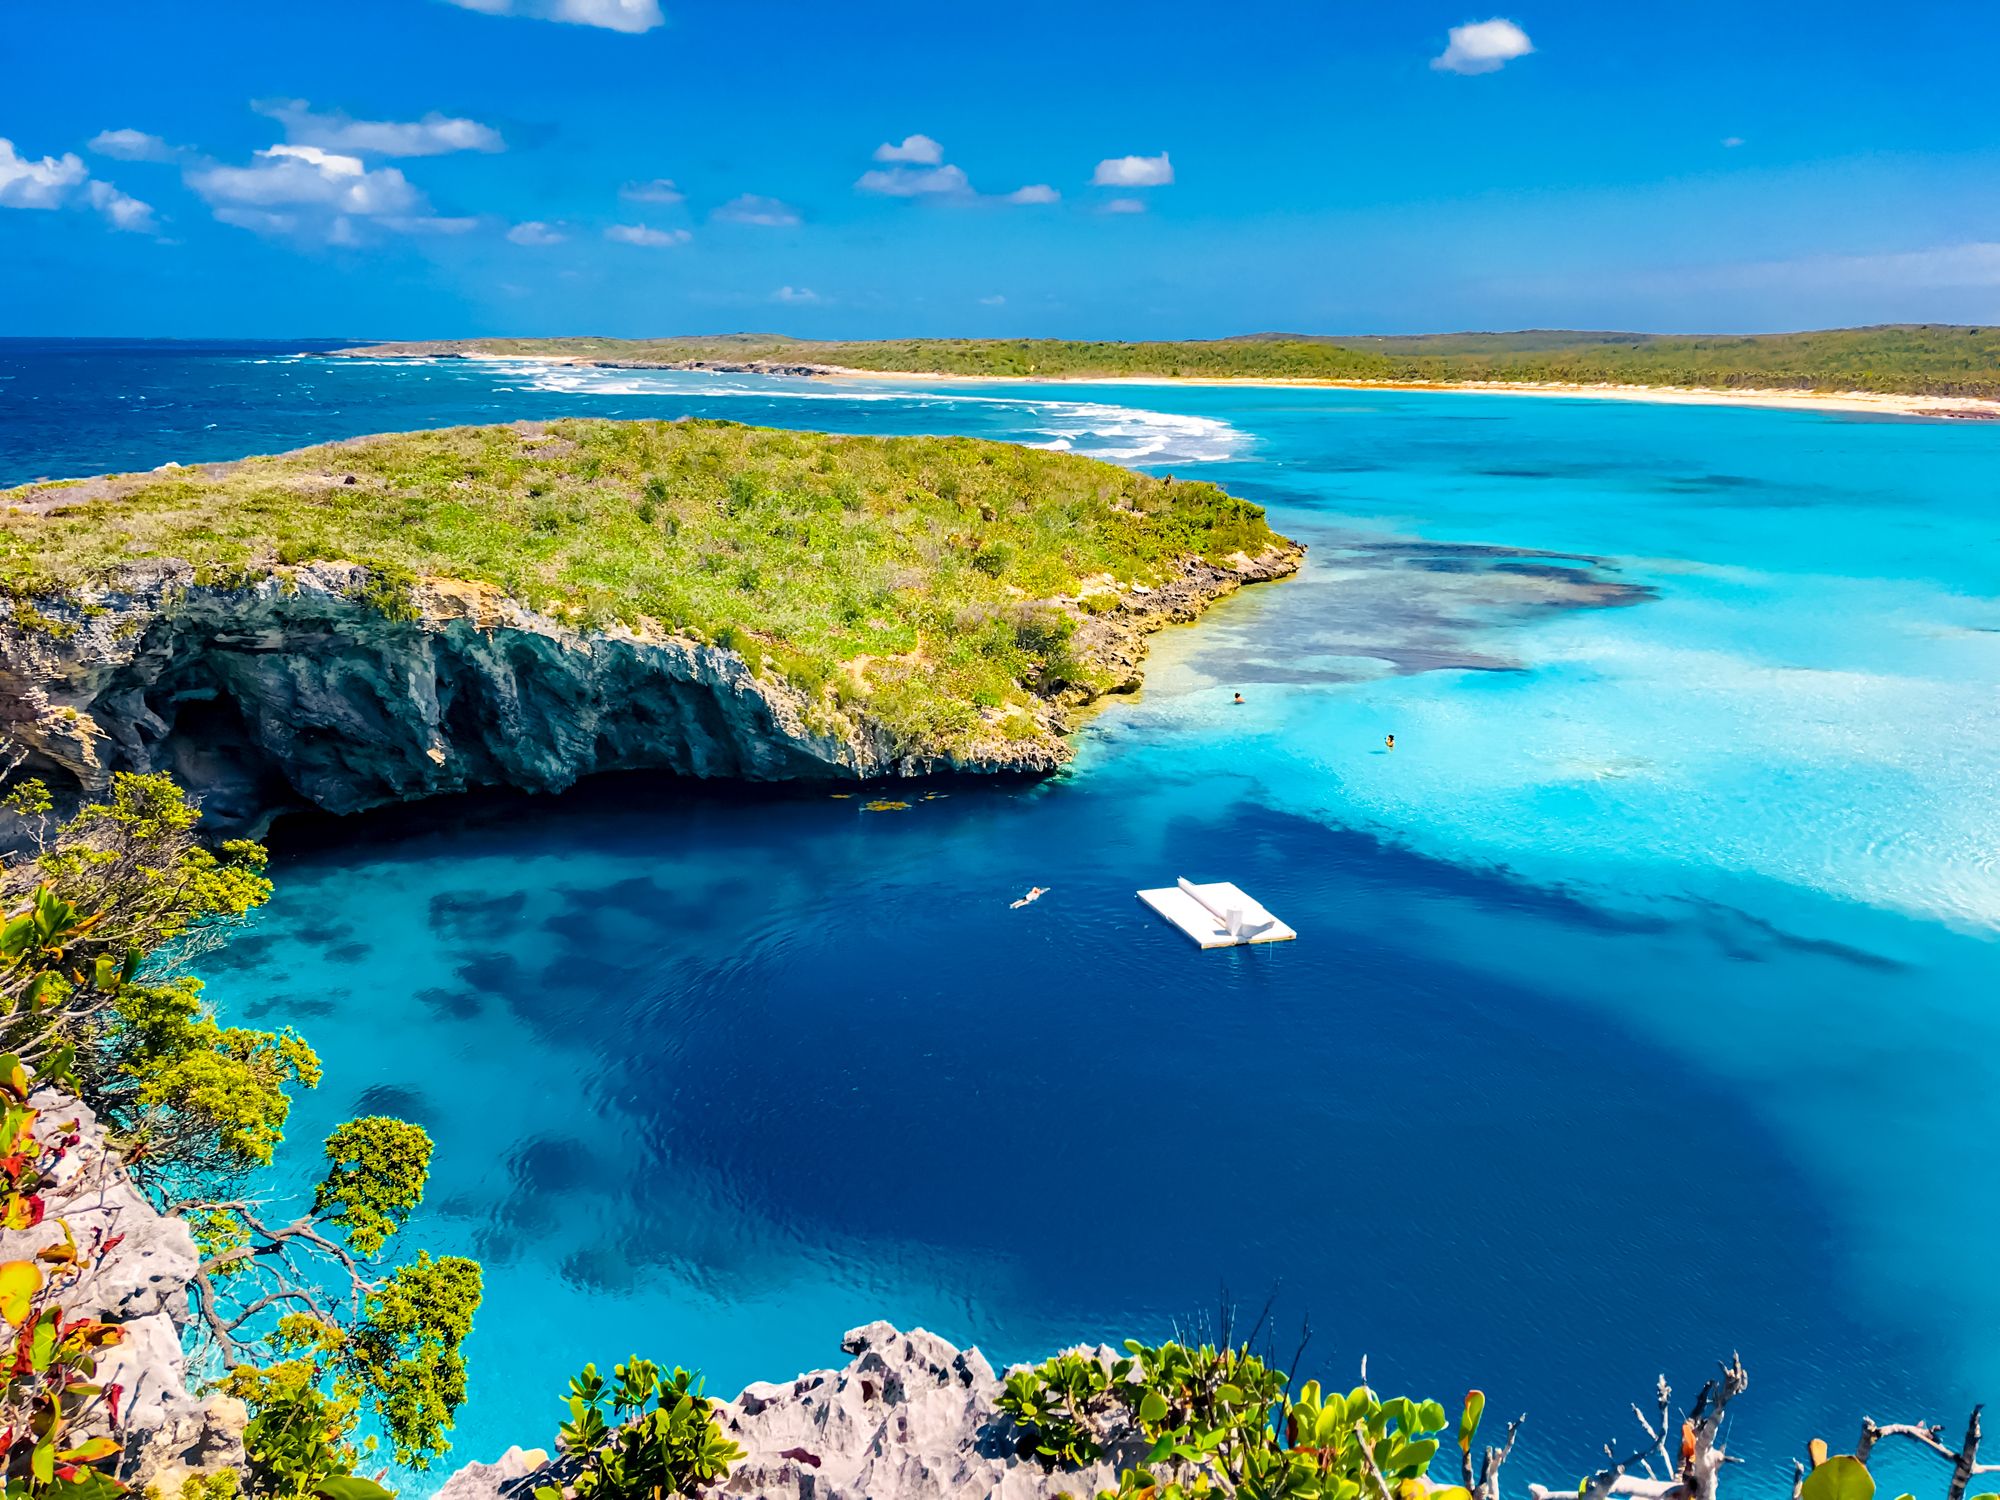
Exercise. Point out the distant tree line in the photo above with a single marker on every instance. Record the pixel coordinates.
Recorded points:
(1904, 359)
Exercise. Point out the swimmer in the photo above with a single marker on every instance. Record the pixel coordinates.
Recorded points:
(1034, 895)
(1389, 740)
(1239, 697)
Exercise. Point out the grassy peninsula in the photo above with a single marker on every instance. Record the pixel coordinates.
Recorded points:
(935, 583)
(1903, 359)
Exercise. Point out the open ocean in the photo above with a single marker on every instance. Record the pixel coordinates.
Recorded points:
(1644, 1006)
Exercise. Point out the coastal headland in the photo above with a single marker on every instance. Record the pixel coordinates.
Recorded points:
(396, 617)
(1925, 371)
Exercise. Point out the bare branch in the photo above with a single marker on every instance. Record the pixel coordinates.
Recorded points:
(1488, 1487)
(1361, 1446)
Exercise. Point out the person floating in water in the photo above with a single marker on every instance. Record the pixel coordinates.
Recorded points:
(1239, 697)
(1035, 894)
(1389, 740)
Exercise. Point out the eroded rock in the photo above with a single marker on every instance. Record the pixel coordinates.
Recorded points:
(909, 1417)
(140, 1283)
(301, 690)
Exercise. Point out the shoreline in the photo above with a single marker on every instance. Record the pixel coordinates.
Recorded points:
(1879, 403)
(1875, 403)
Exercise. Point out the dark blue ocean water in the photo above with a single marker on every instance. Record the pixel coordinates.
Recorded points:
(1643, 1007)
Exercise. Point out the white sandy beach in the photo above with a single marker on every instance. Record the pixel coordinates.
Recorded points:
(1877, 403)
(1966, 408)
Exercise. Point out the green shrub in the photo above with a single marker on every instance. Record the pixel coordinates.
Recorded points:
(1219, 1421)
(993, 559)
(644, 1436)
(1060, 1405)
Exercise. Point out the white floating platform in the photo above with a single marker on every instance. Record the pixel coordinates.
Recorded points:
(1217, 915)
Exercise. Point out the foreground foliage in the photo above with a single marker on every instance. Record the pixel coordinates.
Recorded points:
(98, 917)
(904, 575)
(1222, 1421)
(1926, 358)
(49, 1393)
(642, 1435)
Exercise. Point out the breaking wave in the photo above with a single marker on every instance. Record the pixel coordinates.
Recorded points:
(1121, 434)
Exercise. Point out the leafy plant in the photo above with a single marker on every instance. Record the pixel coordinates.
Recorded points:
(1060, 1406)
(1359, 1444)
(1219, 1421)
(641, 1436)
(1208, 1410)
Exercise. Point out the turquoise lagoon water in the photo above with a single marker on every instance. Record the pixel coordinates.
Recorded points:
(1643, 1008)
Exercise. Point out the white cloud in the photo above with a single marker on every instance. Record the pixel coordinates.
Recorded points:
(1126, 206)
(1482, 47)
(121, 209)
(659, 190)
(47, 183)
(1134, 171)
(1731, 142)
(63, 181)
(433, 135)
(752, 209)
(630, 16)
(913, 182)
(319, 195)
(641, 234)
(795, 294)
(308, 176)
(535, 232)
(919, 150)
(131, 145)
(1034, 192)
(996, 300)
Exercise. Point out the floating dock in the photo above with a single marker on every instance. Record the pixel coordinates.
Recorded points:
(1219, 915)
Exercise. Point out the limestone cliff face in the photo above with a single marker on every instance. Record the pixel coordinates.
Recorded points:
(909, 1417)
(298, 691)
(140, 1284)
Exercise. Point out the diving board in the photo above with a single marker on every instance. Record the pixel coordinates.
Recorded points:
(1218, 915)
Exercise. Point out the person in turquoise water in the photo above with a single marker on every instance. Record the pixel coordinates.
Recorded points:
(1389, 741)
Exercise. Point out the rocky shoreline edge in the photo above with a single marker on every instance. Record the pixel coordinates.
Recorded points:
(908, 1416)
(296, 691)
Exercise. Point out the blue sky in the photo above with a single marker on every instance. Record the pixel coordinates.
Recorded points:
(415, 168)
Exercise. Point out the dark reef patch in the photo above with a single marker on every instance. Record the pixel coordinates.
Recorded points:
(469, 916)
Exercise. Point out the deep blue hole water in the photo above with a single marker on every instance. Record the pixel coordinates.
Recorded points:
(1643, 1007)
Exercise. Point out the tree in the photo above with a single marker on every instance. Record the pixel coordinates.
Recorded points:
(99, 922)
(380, 1344)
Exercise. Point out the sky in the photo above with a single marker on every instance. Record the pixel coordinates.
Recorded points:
(1068, 168)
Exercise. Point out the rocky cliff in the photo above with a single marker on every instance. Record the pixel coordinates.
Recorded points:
(301, 690)
(908, 1416)
(139, 1282)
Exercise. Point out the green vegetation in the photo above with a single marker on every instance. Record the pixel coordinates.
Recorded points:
(98, 917)
(643, 1436)
(1222, 1422)
(900, 575)
(1923, 359)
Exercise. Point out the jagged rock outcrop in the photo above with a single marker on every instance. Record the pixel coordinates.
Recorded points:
(909, 1417)
(140, 1284)
(301, 690)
